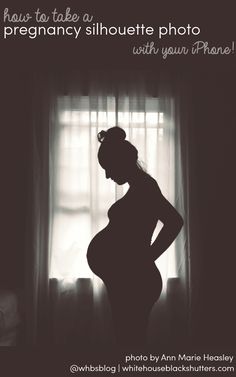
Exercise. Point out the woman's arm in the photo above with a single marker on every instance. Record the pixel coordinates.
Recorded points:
(172, 224)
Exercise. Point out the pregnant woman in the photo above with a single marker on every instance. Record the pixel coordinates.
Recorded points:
(122, 254)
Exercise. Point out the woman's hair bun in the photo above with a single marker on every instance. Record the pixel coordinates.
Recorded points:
(101, 136)
(113, 134)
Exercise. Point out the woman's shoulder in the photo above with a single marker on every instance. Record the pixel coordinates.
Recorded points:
(148, 187)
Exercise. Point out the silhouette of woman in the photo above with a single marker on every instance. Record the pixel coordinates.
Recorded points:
(122, 254)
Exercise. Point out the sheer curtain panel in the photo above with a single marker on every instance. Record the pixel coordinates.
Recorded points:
(70, 198)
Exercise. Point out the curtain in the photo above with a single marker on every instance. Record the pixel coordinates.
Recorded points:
(67, 304)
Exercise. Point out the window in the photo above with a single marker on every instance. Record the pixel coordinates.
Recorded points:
(81, 195)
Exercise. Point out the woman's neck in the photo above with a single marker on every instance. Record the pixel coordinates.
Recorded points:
(134, 177)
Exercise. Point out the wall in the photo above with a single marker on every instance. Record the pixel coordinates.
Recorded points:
(212, 207)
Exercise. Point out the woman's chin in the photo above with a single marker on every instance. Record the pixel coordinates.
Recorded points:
(120, 181)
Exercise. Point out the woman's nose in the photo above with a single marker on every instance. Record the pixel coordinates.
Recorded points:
(108, 174)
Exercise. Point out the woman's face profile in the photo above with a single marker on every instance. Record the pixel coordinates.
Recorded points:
(116, 171)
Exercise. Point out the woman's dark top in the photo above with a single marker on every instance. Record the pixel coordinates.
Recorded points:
(120, 252)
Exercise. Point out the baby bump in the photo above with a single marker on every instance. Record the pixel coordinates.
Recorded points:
(100, 254)
(123, 266)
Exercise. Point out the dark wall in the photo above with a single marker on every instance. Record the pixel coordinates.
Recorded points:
(14, 180)
(213, 164)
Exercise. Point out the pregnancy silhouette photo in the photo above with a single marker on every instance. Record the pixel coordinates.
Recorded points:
(123, 254)
(117, 246)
